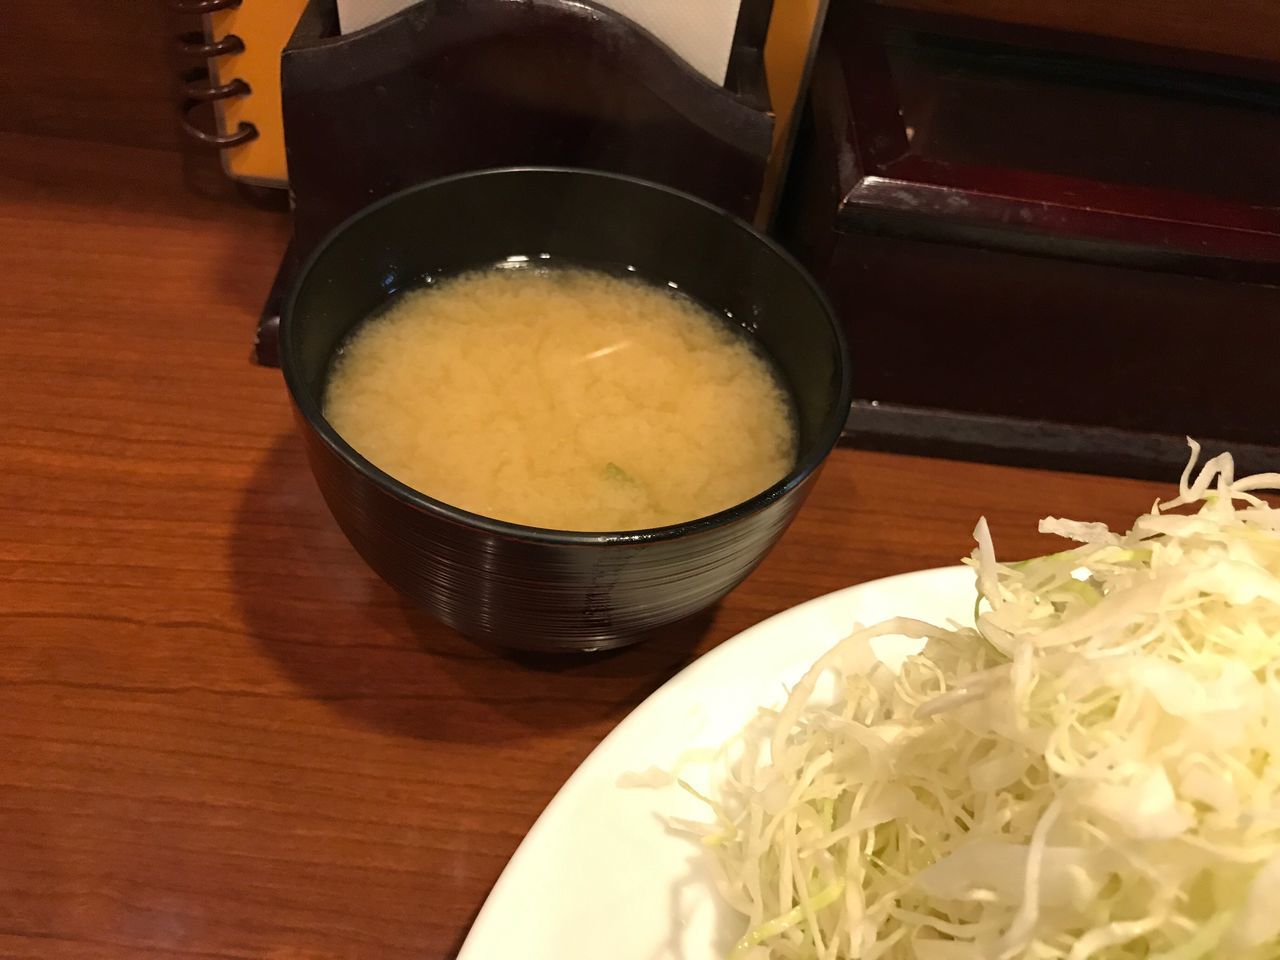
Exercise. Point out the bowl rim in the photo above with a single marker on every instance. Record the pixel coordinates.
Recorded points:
(806, 464)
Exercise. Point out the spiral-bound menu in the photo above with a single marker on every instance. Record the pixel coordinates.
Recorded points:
(240, 45)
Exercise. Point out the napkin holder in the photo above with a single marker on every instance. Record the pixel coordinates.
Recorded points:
(446, 86)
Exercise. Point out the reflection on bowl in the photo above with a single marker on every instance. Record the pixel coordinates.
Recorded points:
(526, 587)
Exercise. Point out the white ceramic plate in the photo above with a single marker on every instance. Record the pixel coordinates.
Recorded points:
(599, 875)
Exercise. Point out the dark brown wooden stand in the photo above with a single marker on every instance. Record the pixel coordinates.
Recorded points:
(452, 85)
(1048, 249)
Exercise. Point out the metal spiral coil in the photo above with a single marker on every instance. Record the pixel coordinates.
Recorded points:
(199, 7)
(198, 88)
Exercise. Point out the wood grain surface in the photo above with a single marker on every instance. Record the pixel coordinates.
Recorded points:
(91, 69)
(220, 735)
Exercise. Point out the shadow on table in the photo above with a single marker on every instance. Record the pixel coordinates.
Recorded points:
(348, 639)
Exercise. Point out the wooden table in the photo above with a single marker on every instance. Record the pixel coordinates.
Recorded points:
(220, 735)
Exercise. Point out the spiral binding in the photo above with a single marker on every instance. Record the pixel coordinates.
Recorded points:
(199, 87)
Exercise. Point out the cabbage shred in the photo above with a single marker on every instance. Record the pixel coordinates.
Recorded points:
(1092, 771)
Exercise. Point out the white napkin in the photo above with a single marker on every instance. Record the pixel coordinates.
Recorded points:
(699, 31)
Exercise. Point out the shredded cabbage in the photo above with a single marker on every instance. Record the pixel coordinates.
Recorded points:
(1093, 771)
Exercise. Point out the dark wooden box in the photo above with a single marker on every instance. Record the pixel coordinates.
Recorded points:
(446, 86)
(1047, 249)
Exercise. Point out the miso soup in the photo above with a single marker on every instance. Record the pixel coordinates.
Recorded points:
(563, 398)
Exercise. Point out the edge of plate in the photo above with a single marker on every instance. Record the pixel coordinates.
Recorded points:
(705, 663)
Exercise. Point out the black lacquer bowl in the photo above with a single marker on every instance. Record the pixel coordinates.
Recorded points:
(523, 587)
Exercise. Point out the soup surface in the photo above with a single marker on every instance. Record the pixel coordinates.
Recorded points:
(563, 398)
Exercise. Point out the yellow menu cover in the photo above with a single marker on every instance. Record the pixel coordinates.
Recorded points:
(264, 27)
(789, 49)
